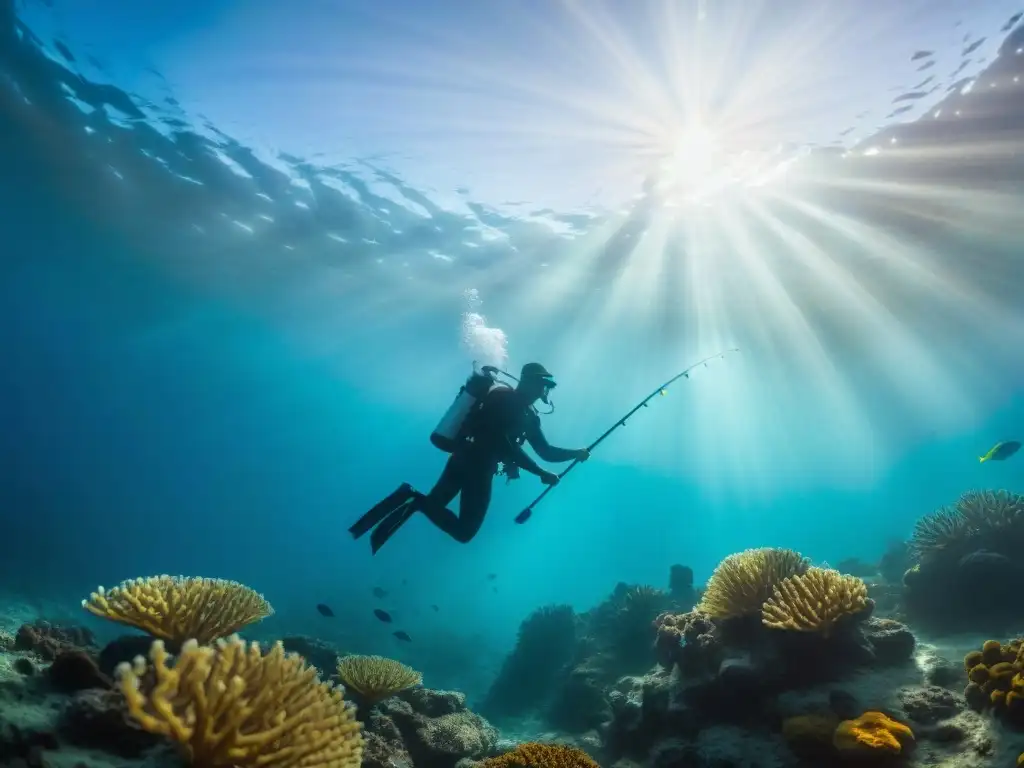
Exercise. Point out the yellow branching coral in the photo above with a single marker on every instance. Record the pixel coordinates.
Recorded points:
(176, 608)
(375, 678)
(230, 705)
(534, 755)
(814, 601)
(742, 582)
(872, 734)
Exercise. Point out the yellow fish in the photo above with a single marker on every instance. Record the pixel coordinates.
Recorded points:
(1000, 451)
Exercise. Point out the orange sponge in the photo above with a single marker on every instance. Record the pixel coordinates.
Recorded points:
(872, 734)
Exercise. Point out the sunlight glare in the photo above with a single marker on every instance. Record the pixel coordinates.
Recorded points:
(696, 154)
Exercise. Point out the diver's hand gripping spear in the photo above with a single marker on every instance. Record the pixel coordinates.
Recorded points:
(527, 513)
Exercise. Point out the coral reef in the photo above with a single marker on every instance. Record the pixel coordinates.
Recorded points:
(322, 655)
(593, 651)
(814, 601)
(680, 587)
(995, 680)
(968, 559)
(371, 679)
(176, 609)
(47, 640)
(232, 705)
(543, 651)
(421, 727)
(66, 713)
(743, 582)
(534, 755)
(615, 636)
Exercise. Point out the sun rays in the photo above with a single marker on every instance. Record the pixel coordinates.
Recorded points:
(703, 154)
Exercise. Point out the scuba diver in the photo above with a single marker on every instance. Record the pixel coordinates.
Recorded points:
(483, 430)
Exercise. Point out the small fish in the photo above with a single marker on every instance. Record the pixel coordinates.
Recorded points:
(492, 576)
(402, 635)
(382, 615)
(325, 610)
(1000, 451)
(435, 608)
(380, 593)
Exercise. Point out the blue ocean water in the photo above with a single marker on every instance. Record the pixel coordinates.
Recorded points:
(250, 255)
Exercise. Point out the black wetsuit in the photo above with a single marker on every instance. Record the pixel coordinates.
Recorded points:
(494, 435)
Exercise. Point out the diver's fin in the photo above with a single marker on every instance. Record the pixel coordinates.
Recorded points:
(982, 459)
(383, 508)
(389, 525)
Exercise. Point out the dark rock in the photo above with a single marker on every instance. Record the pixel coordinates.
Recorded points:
(844, 705)
(384, 746)
(673, 753)
(434, 703)
(893, 643)
(46, 640)
(579, 706)
(982, 566)
(944, 674)
(741, 675)
(17, 742)
(97, 719)
(24, 666)
(976, 697)
(447, 739)
(929, 704)
(75, 671)
(427, 727)
(124, 649)
(380, 753)
(680, 587)
(322, 655)
(946, 733)
(34, 758)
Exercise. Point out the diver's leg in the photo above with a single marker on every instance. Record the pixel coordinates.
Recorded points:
(381, 510)
(477, 480)
(476, 498)
(445, 489)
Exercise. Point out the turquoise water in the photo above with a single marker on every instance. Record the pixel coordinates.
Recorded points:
(217, 356)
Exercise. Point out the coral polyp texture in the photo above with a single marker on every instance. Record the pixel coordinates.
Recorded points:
(938, 532)
(969, 557)
(375, 678)
(995, 679)
(873, 734)
(231, 705)
(742, 582)
(534, 755)
(815, 601)
(993, 519)
(178, 608)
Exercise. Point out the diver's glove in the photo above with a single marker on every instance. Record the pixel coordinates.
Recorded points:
(549, 478)
(581, 455)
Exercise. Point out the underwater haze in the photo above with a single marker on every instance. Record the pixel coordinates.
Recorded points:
(251, 251)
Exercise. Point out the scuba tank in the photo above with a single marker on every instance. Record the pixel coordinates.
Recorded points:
(448, 432)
